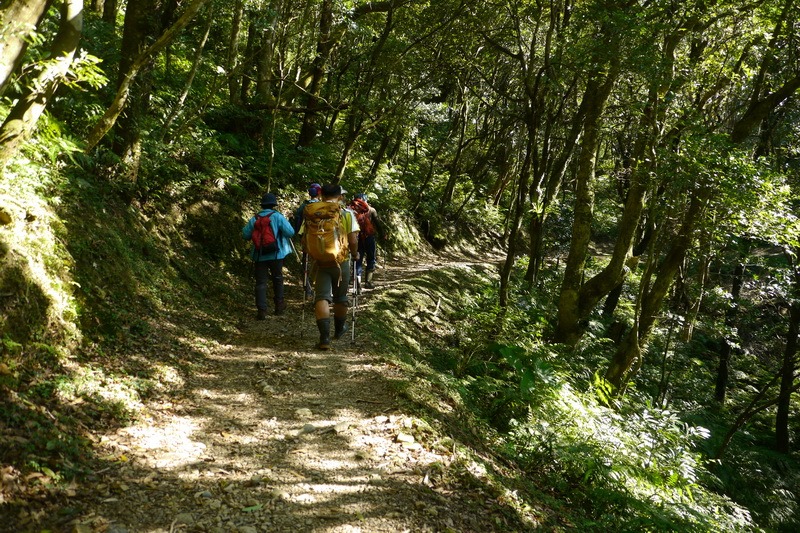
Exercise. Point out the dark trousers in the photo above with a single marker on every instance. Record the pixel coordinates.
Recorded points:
(265, 271)
(366, 250)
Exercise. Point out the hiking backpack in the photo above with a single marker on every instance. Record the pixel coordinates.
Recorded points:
(323, 238)
(362, 211)
(263, 237)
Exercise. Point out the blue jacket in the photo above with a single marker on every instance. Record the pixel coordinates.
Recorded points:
(283, 234)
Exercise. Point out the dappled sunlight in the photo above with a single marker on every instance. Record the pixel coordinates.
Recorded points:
(167, 447)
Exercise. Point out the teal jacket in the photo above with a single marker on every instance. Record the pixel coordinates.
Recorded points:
(283, 234)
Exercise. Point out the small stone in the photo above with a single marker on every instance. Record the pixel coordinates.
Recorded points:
(247, 529)
(185, 518)
(280, 494)
(404, 437)
(381, 419)
(341, 427)
(304, 412)
(308, 428)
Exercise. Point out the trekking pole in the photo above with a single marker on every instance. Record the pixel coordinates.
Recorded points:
(294, 250)
(305, 281)
(355, 305)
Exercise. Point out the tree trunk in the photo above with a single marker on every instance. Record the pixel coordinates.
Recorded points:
(109, 118)
(650, 297)
(309, 129)
(455, 165)
(595, 98)
(176, 109)
(234, 80)
(543, 200)
(18, 20)
(516, 225)
(22, 119)
(265, 63)
(144, 22)
(378, 158)
(110, 12)
(723, 369)
(788, 367)
(762, 105)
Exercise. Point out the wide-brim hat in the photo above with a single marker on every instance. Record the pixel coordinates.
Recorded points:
(269, 200)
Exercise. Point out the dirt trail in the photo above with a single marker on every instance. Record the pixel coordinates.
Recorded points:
(274, 435)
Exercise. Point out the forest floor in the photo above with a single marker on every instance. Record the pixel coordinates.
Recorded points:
(271, 434)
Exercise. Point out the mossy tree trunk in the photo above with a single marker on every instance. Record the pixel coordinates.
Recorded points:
(18, 21)
(629, 351)
(22, 119)
(569, 309)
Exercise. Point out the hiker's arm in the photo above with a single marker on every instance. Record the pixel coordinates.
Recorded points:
(380, 229)
(352, 241)
(247, 231)
(286, 228)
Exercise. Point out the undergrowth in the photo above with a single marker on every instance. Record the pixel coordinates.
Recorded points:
(621, 464)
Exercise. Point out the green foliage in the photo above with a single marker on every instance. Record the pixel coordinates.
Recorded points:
(626, 464)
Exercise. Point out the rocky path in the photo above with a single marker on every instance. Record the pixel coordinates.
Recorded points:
(270, 434)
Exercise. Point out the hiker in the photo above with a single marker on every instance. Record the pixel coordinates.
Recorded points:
(314, 190)
(330, 236)
(268, 257)
(370, 226)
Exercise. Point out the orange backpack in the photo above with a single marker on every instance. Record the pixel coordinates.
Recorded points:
(361, 209)
(323, 238)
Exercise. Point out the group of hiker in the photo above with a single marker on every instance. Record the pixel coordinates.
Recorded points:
(338, 241)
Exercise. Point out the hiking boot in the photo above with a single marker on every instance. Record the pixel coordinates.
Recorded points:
(368, 284)
(262, 314)
(340, 327)
(280, 307)
(324, 327)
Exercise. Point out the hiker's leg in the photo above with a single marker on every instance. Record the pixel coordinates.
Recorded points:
(370, 250)
(262, 274)
(340, 301)
(362, 252)
(276, 274)
(323, 293)
(322, 308)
